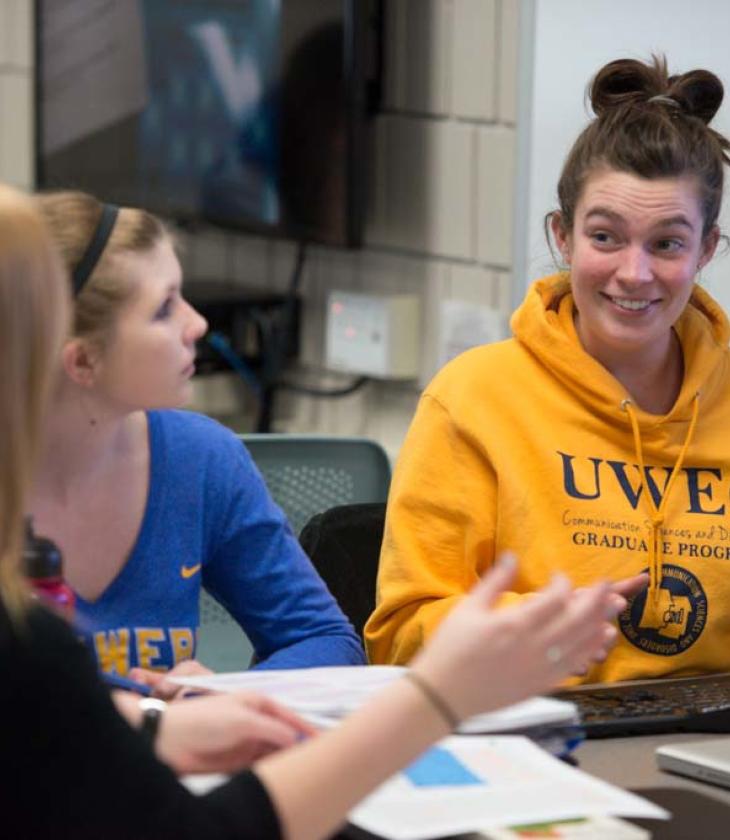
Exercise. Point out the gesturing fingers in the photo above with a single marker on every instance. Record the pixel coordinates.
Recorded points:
(547, 605)
(488, 589)
(627, 587)
(581, 633)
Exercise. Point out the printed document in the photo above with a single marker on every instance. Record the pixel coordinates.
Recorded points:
(478, 783)
(468, 784)
(331, 693)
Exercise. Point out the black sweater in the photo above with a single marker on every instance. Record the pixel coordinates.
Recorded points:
(71, 766)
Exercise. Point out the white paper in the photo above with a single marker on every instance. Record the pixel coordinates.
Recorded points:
(337, 691)
(92, 53)
(522, 784)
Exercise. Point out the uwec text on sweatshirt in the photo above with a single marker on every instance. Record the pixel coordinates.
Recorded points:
(532, 445)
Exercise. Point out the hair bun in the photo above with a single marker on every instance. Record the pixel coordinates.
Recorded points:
(627, 81)
(697, 93)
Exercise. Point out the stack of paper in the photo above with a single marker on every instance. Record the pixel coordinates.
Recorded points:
(325, 695)
(479, 783)
(461, 785)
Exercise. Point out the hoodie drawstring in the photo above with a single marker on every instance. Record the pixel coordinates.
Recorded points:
(656, 554)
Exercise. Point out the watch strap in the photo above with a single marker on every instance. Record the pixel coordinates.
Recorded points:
(152, 710)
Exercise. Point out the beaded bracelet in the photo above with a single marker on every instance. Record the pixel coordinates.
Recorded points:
(434, 699)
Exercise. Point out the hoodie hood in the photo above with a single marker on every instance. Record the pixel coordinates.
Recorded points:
(544, 325)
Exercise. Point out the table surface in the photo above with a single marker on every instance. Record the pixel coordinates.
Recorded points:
(631, 763)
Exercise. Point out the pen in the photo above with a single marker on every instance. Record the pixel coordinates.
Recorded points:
(115, 681)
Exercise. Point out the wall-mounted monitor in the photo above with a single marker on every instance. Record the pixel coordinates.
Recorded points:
(249, 114)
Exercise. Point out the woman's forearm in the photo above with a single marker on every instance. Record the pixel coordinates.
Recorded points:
(350, 761)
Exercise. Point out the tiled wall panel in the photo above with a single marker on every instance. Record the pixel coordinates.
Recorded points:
(16, 22)
(418, 55)
(16, 129)
(495, 202)
(474, 59)
(508, 42)
(426, 184)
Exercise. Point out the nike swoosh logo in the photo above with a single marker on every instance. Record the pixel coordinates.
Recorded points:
(189, 571)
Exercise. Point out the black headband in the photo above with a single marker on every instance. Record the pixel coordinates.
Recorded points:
(94, 250)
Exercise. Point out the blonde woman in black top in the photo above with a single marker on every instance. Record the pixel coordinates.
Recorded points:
(72, 766)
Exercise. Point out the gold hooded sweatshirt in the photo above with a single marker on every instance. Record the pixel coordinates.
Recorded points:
(531, 445)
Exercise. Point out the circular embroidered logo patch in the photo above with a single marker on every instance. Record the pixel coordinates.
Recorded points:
(671, 623)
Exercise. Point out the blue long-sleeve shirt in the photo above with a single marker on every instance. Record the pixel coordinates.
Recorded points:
(210, 521)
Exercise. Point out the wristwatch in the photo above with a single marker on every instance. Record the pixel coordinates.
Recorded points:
(152, 710)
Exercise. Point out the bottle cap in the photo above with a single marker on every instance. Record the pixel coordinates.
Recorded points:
(41, 557)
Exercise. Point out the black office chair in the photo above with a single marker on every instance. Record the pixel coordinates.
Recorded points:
(305, 474)
(344, 546)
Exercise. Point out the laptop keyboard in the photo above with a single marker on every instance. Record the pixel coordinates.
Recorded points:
(645, 707)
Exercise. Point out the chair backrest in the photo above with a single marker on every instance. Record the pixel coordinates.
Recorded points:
(344, 546)
(306, 475)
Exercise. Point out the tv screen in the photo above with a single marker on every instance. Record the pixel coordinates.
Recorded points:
(245, 113)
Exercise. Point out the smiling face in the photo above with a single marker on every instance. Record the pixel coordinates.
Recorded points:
(634, 251)
(148, 359)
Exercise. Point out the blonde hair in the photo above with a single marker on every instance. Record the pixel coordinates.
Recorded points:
(33, 318)
(72, 218)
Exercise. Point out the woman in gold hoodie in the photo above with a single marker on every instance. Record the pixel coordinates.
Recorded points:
(595, 441)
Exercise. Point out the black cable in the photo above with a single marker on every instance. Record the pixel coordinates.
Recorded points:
(275, 335)
(222, 346)
(281, 332)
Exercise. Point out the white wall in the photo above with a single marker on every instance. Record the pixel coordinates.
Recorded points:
(572, 40)
(16, 116)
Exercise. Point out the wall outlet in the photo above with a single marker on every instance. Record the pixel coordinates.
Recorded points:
(373, 334)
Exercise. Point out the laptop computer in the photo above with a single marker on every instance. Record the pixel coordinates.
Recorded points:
(708, 761)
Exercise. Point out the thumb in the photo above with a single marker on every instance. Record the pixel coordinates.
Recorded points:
(496, 581)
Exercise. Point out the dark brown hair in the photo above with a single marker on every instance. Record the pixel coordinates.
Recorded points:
(653, 125)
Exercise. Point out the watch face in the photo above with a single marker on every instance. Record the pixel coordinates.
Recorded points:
(152, 710)
(150, 703)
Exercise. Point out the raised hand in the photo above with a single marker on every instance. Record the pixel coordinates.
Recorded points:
(482, 658)
(630, 586)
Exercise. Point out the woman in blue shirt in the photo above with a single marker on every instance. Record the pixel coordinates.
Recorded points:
(149, 503)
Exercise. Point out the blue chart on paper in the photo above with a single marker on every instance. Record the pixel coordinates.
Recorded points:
(438, 767)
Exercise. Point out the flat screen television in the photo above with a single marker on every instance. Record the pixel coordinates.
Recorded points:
(249, 114)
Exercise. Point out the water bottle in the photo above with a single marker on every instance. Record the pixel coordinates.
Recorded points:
(43, 568)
